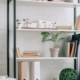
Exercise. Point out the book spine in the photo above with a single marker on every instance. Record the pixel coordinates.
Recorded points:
(72, 51)
(29, 56)
(22, 70)
(68, 52)
(35, 70)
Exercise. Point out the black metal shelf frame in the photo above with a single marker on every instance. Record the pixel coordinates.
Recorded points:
(8, 37)
(14, 38)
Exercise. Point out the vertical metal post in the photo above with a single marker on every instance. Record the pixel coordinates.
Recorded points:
(8, 37)
(14, 17)
(74, 34)
(78, 70)
(78, 1)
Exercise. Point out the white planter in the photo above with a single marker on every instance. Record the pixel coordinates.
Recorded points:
(28, 25)
(19, 25)
(54, 52)
(40, 23)
(49, 24)
(33, 25)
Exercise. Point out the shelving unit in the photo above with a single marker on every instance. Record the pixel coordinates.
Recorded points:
(47, 3)
(62, 4)
(43, 58)
(45, 30)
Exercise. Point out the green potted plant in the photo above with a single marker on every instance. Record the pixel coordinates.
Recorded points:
(68, 74)
(54, 38)
(55, 79)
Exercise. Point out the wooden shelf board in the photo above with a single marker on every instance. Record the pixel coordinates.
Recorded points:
(46, 30)
(48, 3)
(78, 5)
(44, 58)
(8, 78)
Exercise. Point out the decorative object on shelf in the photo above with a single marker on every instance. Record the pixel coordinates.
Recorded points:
(20, 23)
(55, 39)
(31, 54)
(55, 79)
(63, 27)
(50, 24)
(31, 25)
(68, 74)
(25, 21)
(40, 23)
(77, 24)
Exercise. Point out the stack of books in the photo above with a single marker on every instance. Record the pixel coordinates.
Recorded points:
(27, 54)
(63, 27)
(72, 48)
(31, 54)
(73, 45)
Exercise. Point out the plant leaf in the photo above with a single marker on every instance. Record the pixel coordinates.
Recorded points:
(60, 39)
(45, 36)
(45, 33)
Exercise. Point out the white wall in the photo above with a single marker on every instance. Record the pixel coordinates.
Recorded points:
(28, 40)
(3, 38)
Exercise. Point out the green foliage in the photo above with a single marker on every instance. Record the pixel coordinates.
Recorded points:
(52, 37)
(68, 74)
(55, 79)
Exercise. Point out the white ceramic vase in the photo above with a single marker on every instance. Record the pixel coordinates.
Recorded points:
(54, 52)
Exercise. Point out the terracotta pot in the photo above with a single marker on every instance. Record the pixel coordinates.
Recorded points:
(54, 52)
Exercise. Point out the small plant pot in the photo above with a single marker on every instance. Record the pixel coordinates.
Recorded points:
(54, 52)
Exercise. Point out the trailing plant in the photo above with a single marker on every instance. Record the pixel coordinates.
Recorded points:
(52, 37)
(68, 74)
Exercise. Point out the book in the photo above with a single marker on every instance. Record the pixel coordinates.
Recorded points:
(22, 70)
(63, 27)
(31, 53)
(35, 70)
(68, 52)
(77, 24)
(17, 52)
(75, 49)
(76, 37)
(72, 50)
(30, 56)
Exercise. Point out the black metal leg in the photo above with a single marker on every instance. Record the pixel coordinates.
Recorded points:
(78, 1)
(14, 8)
(74, 34)
(8, 37)
(74, 15)
(75, 64)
